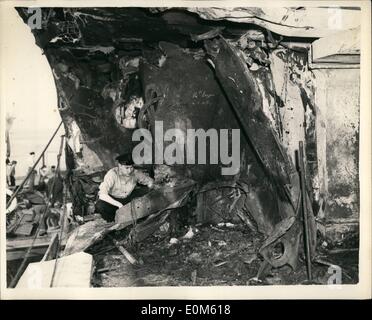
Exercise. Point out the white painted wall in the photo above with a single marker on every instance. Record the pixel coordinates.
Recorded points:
(27, 92)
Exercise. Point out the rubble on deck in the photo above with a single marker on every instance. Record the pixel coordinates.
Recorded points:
(215, 256)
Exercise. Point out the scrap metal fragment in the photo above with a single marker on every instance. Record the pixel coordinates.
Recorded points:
(154, 202)
(207, 35)
(128, 256)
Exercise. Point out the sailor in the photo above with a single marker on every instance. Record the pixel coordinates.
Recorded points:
(52, 172)
(43, 179)
(118, 187)
(54, 188)
(31, 179)
(8, 170)
(35, 200)
(12, 173)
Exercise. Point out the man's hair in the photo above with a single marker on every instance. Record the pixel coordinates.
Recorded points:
(7, 161)
(125, 159)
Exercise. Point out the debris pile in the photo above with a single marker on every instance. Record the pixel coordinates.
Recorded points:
(213, 256)
(200, 226)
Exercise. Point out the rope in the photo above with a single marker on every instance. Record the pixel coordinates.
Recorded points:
(134, 219)
(63, 215)
(60, 237)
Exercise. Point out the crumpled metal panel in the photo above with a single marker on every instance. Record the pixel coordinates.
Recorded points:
(195, 100)
(191, 98)
(241, 90)
(156, 201)
(243, 93)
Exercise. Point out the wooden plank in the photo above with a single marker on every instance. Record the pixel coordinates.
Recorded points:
(25, 242)
(127, 255)
(24, 229)
(51, 252)
(71, 271)
(16, 248)
(25, 225)
(19, 254)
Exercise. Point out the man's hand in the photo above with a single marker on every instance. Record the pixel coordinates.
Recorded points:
(151, 184)
(108, 199)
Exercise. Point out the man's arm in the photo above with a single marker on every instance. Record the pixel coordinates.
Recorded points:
(104, 189)
(144, 179)
(110, 200)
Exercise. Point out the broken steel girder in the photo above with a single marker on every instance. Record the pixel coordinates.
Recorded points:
(286, 239)
(243, 94)
(241, 89)
(196, 100)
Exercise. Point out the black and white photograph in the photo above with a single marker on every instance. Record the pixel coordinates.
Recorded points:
(209, 145)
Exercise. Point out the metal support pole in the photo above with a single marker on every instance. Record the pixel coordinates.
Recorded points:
(32, 169)
(304, 209)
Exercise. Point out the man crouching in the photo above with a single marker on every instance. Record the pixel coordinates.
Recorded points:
(118, 187)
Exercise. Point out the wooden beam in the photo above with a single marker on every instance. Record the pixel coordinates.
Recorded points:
(51, 252)
(71, 271)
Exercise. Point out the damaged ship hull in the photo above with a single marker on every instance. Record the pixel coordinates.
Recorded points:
(187, 82)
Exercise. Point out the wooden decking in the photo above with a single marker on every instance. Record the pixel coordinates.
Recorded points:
(16, 248)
